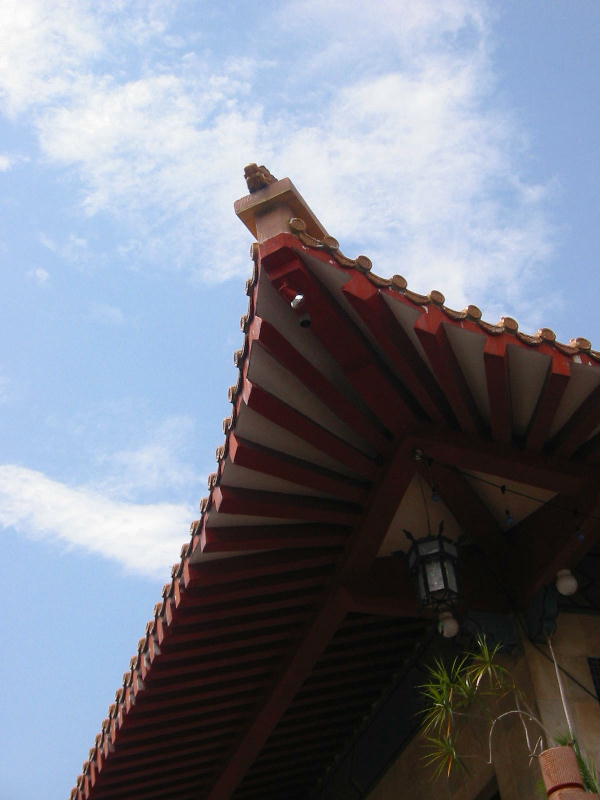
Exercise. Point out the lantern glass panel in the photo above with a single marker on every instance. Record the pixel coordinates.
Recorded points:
(423, 595)
(451, 576)
(434, 575)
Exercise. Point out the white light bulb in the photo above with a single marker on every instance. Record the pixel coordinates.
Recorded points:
(447, 625)
(566, 582)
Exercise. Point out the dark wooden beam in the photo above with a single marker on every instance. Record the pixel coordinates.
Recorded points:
(505, 461)
(469, 510)
(579, 427)
(554, 537)
(256, 565)
(495, 360)
(250, 502)
(271, 537)
(361, 551)
(189, 634)
(387, 589)
(165, 676)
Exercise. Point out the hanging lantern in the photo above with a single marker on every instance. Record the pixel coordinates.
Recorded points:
(433, 560)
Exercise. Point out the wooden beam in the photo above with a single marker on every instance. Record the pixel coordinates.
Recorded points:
(281, 465)
(187, 694)
(397, 346)
(386, 589)
(256, 565)
(191, 778)
(431, 330)
(361, 551)
(503, 460)
(251, 502)
(495, 359)
(282, 414)
(555, 384)
(198, 738)
(467, 508)
(239, 611)
(554, 537)
(215, 717)
(167, 676)
(579, 427)
(190, 634)
(208, 595)
(272, 537)
(339, 402)
(360, 362)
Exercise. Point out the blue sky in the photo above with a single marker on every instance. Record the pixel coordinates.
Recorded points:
(453, 142)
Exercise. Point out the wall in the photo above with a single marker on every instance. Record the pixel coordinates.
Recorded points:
(576, 639)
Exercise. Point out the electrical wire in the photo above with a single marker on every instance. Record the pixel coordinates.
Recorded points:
(505, 489)
(567, 673)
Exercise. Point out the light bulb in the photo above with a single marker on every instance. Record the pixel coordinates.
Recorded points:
(447, 625)
(566, 582)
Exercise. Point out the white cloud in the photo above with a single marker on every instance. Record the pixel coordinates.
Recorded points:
(39, 274)
(145, 538)
(395, 145)
(135, 510)
(43, 48)
(5, 162)
(155, 467)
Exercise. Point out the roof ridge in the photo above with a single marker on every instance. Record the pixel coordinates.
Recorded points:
(473, 313)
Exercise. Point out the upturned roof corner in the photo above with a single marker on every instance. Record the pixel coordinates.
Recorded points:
(271, 203)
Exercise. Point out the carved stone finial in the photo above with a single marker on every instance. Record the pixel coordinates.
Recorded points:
(257, 177)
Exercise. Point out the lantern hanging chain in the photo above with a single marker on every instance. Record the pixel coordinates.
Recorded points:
(504, 489)
(420, 479)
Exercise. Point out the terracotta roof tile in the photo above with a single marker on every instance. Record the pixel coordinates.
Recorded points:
(398, 283)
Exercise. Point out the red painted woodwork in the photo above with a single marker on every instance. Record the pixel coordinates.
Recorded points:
(554, 537)
(397, 347)
(361, 364)
(557, 380)
(579, 427)
(431, 330)
(271, 537)
(495, 359)
(231, 500)
(280, 413)
(472, 515)
(360, 553)
(287, 355)
(505, 461)
(271, 462)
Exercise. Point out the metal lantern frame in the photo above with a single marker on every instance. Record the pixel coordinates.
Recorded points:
(433, 561)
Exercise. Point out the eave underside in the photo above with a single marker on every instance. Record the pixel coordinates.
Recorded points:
(287, 616)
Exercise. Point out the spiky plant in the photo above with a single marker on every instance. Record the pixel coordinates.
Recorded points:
(450, 692)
